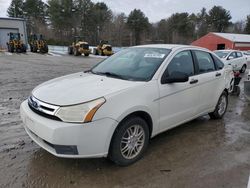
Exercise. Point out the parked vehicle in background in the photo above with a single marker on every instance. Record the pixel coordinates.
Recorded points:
(114, 109)
(79, 47)
(15, 43)
(38, 44)
(247, 54)
(103, 48)
(234, 58)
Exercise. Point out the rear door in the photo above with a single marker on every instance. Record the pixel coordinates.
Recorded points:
(232, 60)
(210, 80)
(241, 60)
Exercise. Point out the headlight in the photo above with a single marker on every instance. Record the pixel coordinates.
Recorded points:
(81, 113)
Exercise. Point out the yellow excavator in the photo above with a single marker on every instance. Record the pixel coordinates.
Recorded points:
(104, 48)
(79, 47)
(15, 43)
(38, 44)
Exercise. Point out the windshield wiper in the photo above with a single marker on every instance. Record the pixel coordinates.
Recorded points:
(89, 70)
(110, 74)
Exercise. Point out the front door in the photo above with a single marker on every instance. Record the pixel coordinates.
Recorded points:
(179, 101)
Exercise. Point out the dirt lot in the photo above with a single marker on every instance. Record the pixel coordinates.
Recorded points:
(201, 153)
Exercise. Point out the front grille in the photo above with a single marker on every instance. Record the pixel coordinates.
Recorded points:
(43, 114)
(43, 109)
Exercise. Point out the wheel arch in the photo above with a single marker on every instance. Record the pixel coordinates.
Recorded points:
(139, 113)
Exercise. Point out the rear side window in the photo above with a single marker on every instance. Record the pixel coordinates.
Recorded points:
(182, 62)
(239, 54)
(218, 62)
(205, 61)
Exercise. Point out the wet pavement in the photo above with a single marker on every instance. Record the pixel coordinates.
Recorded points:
(201, 153)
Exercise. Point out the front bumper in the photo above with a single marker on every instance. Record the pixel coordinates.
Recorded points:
(88, 139)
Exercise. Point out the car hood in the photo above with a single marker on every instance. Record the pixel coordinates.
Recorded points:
(79, 88)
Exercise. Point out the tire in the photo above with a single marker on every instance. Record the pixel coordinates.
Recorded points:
(35, 49)
(76, 53)
(24, 49)
(12, 49)
(46, 49)
(221, 107)
(70, 50)
(127, 128)
(243, 69)
(100, 52)
(86, 54)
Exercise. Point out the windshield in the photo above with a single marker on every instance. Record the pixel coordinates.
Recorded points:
(221, 54)
(14, 36)
(138, 64)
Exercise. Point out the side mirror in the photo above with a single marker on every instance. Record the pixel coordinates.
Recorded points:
(230, 57)
(175, 77)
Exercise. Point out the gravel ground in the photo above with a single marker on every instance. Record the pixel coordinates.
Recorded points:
(201, 153)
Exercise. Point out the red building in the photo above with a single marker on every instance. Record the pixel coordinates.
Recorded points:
(219, 41)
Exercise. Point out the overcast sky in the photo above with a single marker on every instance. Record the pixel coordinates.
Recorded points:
(156, 10)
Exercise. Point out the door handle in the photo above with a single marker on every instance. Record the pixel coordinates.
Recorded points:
(194, 81)
(218, 74)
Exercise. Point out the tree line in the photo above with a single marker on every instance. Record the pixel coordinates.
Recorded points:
(60, 20)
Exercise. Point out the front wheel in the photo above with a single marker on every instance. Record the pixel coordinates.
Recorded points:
(70, 50)
(221, 107)
(129, 142)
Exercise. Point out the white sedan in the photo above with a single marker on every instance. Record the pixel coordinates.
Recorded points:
(234, 58)
(247, 54)
(114, 109)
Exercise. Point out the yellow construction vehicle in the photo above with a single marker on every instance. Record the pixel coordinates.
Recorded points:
(15, 43)
(38, 44)
(79, 47)
(104, 48)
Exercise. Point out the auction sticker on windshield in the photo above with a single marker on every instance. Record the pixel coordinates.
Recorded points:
(155, 55)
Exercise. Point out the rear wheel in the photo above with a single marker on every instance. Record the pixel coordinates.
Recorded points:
(129, 142)
(243, 69)
(221, 107)
(86, 54)
(35, 49)
(24, 49)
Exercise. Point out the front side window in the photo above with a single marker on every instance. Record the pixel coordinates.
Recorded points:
(136, 64)
(205, 61)
(232, 55)
(182, 62)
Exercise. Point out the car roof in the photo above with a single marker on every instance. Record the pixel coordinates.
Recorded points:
(169, 46)
(227, 51)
